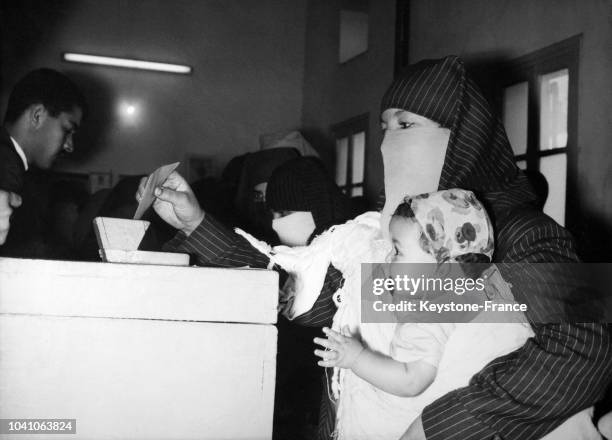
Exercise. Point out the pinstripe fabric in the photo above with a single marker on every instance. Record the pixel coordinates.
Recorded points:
(214, 245)
(327, 411)
(564, 367)
(322, 312)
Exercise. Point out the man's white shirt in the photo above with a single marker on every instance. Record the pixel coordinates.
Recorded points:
(20, 152)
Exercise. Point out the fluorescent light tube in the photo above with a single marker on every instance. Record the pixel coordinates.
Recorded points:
(126, 62)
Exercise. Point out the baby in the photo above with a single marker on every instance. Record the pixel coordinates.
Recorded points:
(385, 388)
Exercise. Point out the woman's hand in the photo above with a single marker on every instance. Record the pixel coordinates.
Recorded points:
(175, 203)
(342, 352)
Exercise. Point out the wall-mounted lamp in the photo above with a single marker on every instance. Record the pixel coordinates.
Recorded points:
(126, 62)
(129, 110)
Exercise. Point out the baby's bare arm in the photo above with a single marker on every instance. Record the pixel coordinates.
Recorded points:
(404, 379)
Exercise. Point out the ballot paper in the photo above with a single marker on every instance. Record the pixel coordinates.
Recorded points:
(156, 179)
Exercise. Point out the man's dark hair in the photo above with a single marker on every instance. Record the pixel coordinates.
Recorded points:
(44, 86)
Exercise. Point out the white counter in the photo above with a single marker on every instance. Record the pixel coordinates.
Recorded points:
(138, 352)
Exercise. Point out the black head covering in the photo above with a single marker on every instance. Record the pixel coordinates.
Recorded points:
(257, 168)
(479, 157)
(303, 184)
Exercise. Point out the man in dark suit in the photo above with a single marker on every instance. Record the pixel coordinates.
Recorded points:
(44, 110)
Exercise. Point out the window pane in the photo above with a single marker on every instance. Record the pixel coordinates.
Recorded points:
(554, 169)
(553, 113)
(358, 156)
(522, 164)
(515, 116)
(357, 191)
(341, 160)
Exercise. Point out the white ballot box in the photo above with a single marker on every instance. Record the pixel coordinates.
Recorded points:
(137, 352)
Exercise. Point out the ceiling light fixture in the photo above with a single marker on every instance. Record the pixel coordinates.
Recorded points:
(126, 62)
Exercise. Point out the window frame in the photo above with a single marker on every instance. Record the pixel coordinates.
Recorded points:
(402, 36)
(529, 68)
(347, 129)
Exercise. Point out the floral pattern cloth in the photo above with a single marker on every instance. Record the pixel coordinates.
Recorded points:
(453, 222)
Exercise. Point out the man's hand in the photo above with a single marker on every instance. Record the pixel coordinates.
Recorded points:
(415, 431)
(8, 202)
(342, 351)
(175, 203)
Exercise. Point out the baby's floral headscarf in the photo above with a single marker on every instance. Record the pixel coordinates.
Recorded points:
(453, 223)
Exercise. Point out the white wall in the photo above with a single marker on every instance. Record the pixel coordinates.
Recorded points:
(335, 92)
(247, 55)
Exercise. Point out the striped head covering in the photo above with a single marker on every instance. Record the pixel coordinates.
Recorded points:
(478, 157)
(303, 184)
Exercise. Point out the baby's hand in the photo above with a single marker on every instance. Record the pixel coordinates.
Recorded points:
(342, 351)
